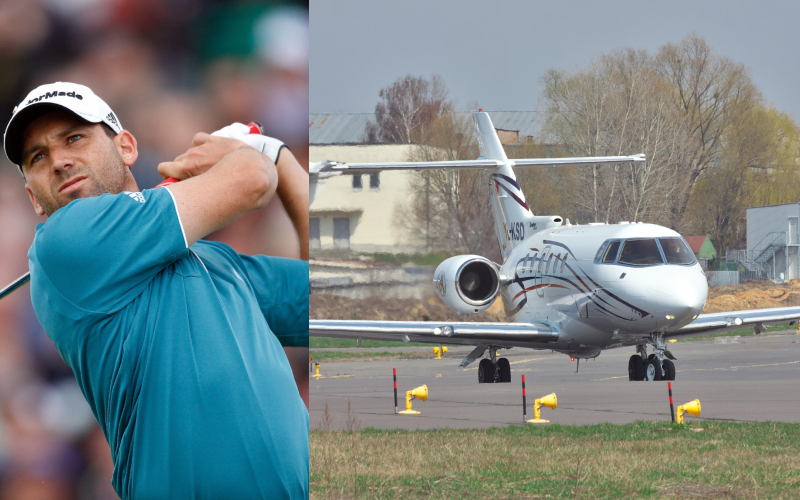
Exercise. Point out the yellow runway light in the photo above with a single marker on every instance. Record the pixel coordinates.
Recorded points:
(549, 401)
(439, 351)
(420, 392)
(316, 376)
(692, 408)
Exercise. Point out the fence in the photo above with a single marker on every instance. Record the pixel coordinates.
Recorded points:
(722, 278)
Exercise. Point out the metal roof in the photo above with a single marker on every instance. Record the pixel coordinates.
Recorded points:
(338, 128)
(348, 128)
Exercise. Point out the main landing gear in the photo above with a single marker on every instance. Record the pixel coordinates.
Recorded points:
(494, 370)
(656, 366)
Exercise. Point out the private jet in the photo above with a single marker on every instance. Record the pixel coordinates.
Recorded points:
(576, 289)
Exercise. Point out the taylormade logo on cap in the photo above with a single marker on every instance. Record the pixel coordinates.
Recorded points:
(76, 98)
(54, 93)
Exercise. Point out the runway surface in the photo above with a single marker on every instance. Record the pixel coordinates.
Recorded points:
(736, 379)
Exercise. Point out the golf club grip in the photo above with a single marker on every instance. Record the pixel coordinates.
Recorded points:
(255, 128)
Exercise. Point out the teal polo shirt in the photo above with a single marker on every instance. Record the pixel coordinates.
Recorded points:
(177, 350)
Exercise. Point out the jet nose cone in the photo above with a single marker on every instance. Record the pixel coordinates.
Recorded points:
(689, 294)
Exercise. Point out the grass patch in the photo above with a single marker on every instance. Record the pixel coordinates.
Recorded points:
(640, 460)
(327, 343)
(320, 356)
(744, 332)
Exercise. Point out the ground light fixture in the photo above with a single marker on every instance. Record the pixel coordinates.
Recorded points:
(692, 408)
(439, 351)
(549, 401)
(420, 392)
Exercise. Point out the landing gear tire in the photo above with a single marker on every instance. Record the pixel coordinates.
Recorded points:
(485, 372)
(505, 370)
(636, 368)
(652, 370)
(669, 369)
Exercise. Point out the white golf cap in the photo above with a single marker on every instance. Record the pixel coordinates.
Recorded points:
(76, 98)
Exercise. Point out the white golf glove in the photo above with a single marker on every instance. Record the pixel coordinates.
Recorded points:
(262, 143)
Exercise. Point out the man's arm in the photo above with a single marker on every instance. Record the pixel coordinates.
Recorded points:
(293, 192)
(222, 179)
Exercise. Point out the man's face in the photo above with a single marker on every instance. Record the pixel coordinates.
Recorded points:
(65, 158)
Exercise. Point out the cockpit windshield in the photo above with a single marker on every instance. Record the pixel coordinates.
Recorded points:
(676, 251)
(643, 252)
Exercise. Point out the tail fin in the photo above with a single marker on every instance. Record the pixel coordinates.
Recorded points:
(513, 217)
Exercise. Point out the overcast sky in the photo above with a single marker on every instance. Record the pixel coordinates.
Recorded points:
(494, 53)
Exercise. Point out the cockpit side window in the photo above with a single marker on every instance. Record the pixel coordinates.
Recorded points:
(642, 252)
(601, 251)
(676, 251)
(611, 252)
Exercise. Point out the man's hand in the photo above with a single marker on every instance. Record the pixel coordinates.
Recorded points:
(207, 150)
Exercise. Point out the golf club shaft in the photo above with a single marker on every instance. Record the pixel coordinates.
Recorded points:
(15, 284)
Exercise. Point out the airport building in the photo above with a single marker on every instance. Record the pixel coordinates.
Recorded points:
(773, 241)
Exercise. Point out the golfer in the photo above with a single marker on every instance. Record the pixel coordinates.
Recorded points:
(175, 342)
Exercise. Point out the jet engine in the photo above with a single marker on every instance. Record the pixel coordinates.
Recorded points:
(468, 284)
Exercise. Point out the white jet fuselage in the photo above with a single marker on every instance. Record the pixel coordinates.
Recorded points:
(557, 276)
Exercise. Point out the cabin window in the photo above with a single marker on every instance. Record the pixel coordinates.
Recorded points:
(640, 253)
(676, 251)
(611, 252)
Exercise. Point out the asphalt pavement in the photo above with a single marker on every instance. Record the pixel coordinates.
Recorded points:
(752, 378)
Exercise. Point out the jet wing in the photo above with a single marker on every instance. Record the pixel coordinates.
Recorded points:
(481, 335)
(438, 332)
(736, 320)
(329, 168)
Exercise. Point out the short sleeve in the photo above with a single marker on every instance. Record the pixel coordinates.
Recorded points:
(281, 287)
(101, 252)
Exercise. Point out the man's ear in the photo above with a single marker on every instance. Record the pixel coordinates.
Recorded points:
(34, 201)
(126, 146)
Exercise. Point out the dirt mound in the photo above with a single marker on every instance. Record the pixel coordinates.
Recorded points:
(748, 295)
(378, 308)
(753, 295)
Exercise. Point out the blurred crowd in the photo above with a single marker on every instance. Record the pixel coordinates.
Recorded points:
(168, 69)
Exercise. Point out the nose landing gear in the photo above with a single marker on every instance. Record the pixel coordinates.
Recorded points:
(656, 366)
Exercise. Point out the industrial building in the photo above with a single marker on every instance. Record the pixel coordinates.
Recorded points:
(773, 241)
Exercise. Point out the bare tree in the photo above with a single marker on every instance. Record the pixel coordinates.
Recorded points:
(407, 107)
(451, 208)
(712, 146)
(617, 105)
(713, 92)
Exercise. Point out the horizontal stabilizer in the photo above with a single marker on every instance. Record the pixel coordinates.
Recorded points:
(588, 160)
(332, 167)
(328, 168)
